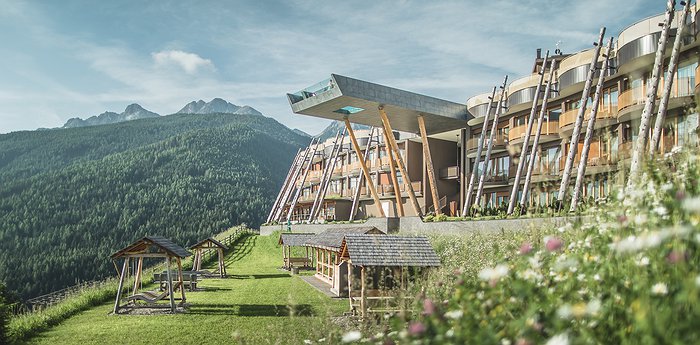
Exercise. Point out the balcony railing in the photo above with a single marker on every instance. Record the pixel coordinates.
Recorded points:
(498, 140)
(311, 91)
(682, 87)
(449, 173)
(607, 111)
(697, 74)
(548, 128)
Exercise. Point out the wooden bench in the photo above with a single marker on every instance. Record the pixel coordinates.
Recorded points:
(305, 262)
(188, 278)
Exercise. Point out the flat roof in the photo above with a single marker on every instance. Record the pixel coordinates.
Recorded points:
(340, 96)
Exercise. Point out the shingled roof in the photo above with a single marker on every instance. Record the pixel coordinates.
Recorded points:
(295, 239)
(332, 238)
(212, 241)
(389, 250)
(146, 245)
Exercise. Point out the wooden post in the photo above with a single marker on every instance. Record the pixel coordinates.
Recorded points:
(365, 171)
(350, 284)
(327, 172)
(526, 141)
(668, 86)
(356, 195)
(538, 133)
(121, 285)
(479, 147)
(462, 166)
(170, 284)
(494, 127)
(581, 173)
(293, 181)
(182, 282)
(429, 164)
(137, 279)
(222, 268)
(363, 292)
(399, 160)
(394, 179)
(303, 180)
(640, 147)
(573, 142)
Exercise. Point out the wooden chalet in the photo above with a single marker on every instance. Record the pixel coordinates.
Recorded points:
(209, 244)
(288, 241)
(150, 247)
(379, 267)
(326, 247)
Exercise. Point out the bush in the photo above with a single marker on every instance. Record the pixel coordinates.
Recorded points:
(4, 319)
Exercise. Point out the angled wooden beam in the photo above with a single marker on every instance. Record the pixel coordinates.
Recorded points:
(581, 173)
(526, 140)
(181, 281)
(356, 195)
(668, 86)
(365, 171)
(402, 166)
(292, 183)
(170, 284)
(121, 285)
(657, 71)
(429, 165)
(303, 180)
(462, 166)
(327, 174)
(394, 178)
(573, 143)
(284, 186)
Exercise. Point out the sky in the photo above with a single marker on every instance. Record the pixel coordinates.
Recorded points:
(64, 59)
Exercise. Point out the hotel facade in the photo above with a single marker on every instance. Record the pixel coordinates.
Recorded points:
(437, 140)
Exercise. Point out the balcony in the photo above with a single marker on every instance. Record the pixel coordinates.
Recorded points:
(499, 145)
(550, 132)
(697, 76)
(449, 173)
(631, 102)
(606, 115)
(311, 91)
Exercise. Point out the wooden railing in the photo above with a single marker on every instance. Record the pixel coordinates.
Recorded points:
(604, 112)
(631, 97)
(697, 76)
(548, 128)
(473, 143)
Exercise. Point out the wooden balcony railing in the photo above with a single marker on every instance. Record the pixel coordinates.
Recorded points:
(548, 128)
(498, 140)
(697, 76)
(606, 111)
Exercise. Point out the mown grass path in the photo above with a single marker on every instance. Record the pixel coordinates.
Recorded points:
(253, 306)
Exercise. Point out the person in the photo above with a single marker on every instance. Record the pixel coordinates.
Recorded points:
(330, 84)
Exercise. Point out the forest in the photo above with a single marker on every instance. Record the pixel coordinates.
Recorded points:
(71, 197)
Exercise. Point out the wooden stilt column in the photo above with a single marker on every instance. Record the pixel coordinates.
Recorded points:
(303, 180)
(170, 284)
(394, 178)
(121, 285)
(356, 194)
(137, 278)
(429, 164)
(477, 158)
(363, 291)
(363, 165)
(399, 160)
(181, 281)
(284, 186)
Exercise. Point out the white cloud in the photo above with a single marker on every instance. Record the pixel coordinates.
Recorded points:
(190, 62)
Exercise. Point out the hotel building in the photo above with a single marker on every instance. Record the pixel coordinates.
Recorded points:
(452, 131)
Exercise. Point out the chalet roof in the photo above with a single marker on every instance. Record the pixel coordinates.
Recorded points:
(295, 239)
(146, 245)
(389, 250)
(333, 237)
(211, 240)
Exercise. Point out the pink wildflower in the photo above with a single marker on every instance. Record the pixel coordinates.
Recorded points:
(416, 328)
(428, 307)
(554, 244)
(525, 248)
(676, 256)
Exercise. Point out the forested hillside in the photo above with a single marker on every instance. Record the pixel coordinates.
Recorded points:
(69, 198)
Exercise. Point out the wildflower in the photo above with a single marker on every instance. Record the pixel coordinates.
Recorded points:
(697, 281)
(596, 277)
(640, 219)
(593, 307)
(454, 314)
(644, 261)
(450, 333)
(553, 243)
(691, 205)
(559, 339)
(565, 227)
(666, 187)
(428, 307)
(416, 328)
(565, 312)
(351, 336)
(308, 342)
(523, 341)
(525, 248)
(505, 341)
(530, 274)
(660, 210)
(493, 274)
(659, 289)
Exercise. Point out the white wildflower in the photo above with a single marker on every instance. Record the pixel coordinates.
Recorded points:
(307, 341)
(581, 277)
(559, 339)
(450, 333)
(454, 314)
(697, 281)
(565, 227)
(666, 187)
(640, 219)
(659, 289)
(496, 273)
(530, 274)
(692, 205)
(565, 312)
(596, 277)
(593, 307)
(351, 336)
(505, 341)
(660, 210)
(644, 261)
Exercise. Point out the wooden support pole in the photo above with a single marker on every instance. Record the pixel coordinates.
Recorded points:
(170, 284)
(428, 159)
(462, 167)
(292, 185)
(137, 279)
(327, 176)
(526, 140)
(356, 195)
(394, 178)
(284, 186)
(363, 292)
(494, 126)
(121, 285)
(573, 143)
(365, 171)
(640, 147)
(536, 140)
(581, 173)
(303, 180)
(668, 85)
(479, 147)
(350, 285)
(181, 280)
(399, 160)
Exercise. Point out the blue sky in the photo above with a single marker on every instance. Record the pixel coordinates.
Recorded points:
(62, 59)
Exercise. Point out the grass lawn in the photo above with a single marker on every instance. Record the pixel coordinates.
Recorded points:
(259, 304)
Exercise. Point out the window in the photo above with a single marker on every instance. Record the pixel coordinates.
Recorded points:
(347, 110)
